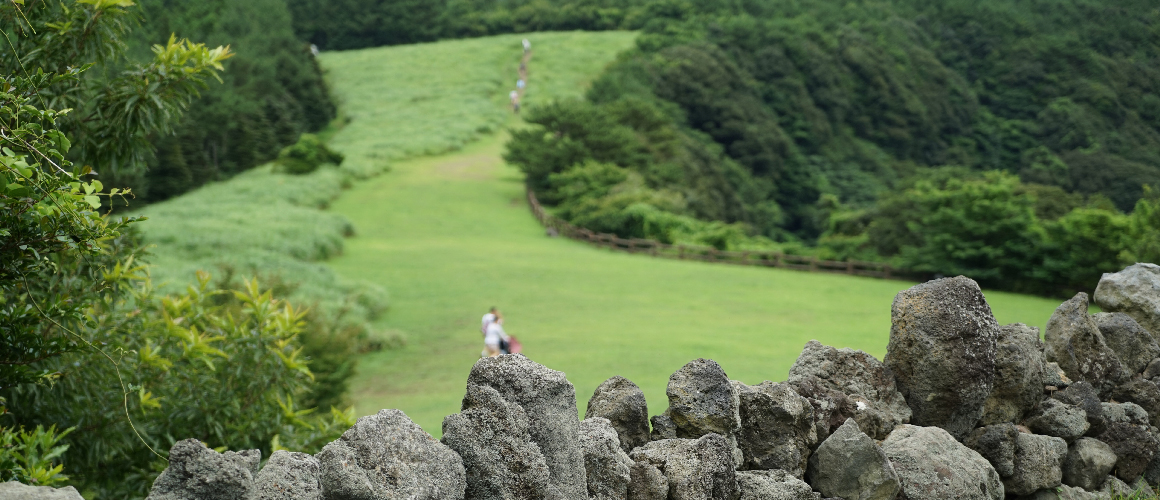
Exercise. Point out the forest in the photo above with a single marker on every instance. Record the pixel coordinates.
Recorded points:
(874, 130)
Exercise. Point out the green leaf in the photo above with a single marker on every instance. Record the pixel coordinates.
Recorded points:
(93, 201)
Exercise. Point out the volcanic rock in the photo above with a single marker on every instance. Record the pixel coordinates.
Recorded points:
(931, 464)
(777, 427)
(623, 404)
(1133, 345)
(607, 467)
(1038, 462)
(858, 376)
(290, 476)
(1075, 342)
(1088, 463)
(773, 485)
(1135, 291)
(942, 352)
(849, 465)
(1019, 374)
(996, 443)
(696, 469)
(196, 472)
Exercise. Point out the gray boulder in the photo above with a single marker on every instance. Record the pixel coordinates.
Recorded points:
(386, 456)
(777, 427)
(1059, 419)
(196, 472)
(996, 443)
(1066, 493)
(702, 400)
(17, 491)
(773, 485)
(1038, 464)
(849, 465)
(1135, 291)
(289, 476)
(662, 428)
(606, 466)
(1054, 376)
(1141, 392)
(1134, 442)
(1152, 472)
(646, 482)
(1153, 369)
(491, 435)
(1116, 488)
(1084, 395)
(1088, 463)
(549, 401)
(858, 376)
(623, 404)
(931, 464)
(831, 407)
(1131, 342)
(1075, 342)
(1019, 373)
(942, 352)
(696, 469)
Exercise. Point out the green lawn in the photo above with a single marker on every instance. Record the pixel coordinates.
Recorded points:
(451, 235)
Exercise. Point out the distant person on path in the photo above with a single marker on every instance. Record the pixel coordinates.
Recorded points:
(515, 99)
(520, 84)
(527, 46)
(495, 339)
(492, 316)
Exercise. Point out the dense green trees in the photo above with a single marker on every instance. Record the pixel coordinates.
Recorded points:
(272, 92)
(831, 121)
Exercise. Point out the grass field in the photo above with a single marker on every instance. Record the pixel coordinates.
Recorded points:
(451, 235)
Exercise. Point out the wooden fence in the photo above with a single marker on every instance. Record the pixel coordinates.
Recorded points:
(707, 254)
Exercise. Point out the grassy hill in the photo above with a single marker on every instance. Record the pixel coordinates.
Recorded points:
(451, 235)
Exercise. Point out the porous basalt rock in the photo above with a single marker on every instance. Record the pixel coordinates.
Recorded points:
(1059, 419)
(607, 467)
(1075, 342)
(1088, 463)
(1053, 376)
(1135, 291)
(931, 464)
(646, 482)
(1153, 370)
(702, 400)
(777, 427)
(1084, 396)
(1134, 442)
(849, 465)
(1141, 392)
(289, 476)
(1019, 374)
(18, 491)
(696, 469)
(549, 401)
(858, 376)
(1133, 345)
(623, 404)
(996, 443)
(196, 472)
(942, 352)
(831, 407)
(386, 456)
(491, 436)
(662, 428)
(773, 485)
(1038, 464)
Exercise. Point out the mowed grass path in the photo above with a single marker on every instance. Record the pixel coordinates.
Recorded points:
(451, 235)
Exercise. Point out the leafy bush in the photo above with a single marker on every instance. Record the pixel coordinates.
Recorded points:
(156, 370)
(307, 155)
(32, 457)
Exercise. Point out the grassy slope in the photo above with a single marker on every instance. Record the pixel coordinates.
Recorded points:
(450, 235)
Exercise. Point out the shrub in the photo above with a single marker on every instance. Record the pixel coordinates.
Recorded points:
(29, 456)
(307, 155)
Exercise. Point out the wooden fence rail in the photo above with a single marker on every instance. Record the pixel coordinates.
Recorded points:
(707, 254)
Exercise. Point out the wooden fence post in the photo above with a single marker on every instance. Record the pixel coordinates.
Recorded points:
(813, 264)
(682, 254)
(849, 267)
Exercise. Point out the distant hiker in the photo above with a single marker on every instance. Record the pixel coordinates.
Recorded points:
(491, 317)
(314, 50)
(520, 84)
(495, 339)
(527, 46)
(515, 99)
(523, 67)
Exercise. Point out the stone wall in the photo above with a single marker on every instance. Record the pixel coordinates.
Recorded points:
(961, 407)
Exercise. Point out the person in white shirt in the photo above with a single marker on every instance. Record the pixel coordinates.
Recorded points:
(489, 318)
(494, 337)
(527, 46)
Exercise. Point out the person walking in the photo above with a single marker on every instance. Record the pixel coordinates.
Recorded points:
(489, 318)
(514, 96)
(527, 46)
(520, 84)
(495, 338)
